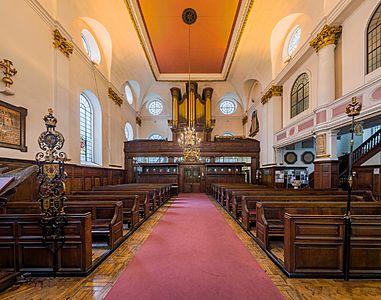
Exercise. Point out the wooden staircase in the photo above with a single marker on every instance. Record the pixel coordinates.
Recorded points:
(365, 151)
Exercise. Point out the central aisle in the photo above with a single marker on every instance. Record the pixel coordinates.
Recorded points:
(193, 254)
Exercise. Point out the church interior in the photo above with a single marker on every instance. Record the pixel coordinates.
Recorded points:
(190, 149)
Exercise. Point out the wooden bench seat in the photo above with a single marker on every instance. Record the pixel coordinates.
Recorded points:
(155, 194)
(236, 201)
(144, 205)
(130, 208)
(107, 217)
(314, 244)
(270, 214)
(22, 248)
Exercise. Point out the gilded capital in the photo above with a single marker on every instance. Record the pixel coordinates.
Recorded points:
(327, 36)
(62, 43)
(274, 91)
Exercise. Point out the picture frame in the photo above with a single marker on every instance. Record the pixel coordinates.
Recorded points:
(13, 126)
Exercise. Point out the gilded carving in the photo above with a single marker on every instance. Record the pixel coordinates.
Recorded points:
(329, 35)
(321, 148)
(274, 91)
(114, 96)
(354, 108)
(62, 43)
(9, 71)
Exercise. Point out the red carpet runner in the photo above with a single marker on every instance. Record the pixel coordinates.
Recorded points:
(193, 254)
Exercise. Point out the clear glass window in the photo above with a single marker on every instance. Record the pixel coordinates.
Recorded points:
(86, 118)
(155, 136)
(227, 107)
(155, 107)
(294, 41)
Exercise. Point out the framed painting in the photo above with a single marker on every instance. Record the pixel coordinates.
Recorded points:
(12, 126)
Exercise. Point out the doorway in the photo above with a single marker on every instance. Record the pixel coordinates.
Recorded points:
(192, 179)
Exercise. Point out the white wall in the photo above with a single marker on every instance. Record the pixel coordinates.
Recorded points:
(47, 78)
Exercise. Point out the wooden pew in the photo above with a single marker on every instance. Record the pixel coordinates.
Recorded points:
(236, 207)
(314, 245)
(22, 248)
(270, 214)
(143, 196)
(155, 193)
(107, 217)
(130, 208)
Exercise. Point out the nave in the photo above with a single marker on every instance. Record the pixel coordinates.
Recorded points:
(174, 218)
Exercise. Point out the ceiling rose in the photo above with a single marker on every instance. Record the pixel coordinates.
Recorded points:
(189, 16)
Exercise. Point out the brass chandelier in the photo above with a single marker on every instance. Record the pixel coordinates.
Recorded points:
(191, 145)
(188, 139)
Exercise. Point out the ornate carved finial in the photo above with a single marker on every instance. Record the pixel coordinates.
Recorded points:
(354, 108)
(114, 96)
(274, 91)
(9, 71)
(62, 43)
(189, 16)
(51, 141)
(328, 35)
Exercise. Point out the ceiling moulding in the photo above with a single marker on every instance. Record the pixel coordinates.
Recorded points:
(242, 16)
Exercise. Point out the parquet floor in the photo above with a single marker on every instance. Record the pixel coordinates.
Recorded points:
(96, 285)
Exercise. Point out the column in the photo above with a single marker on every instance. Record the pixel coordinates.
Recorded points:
(326, 173)
(324, 44)
(273, 102)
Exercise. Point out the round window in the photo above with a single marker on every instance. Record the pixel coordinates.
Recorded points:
(227, 107)
(155, 107)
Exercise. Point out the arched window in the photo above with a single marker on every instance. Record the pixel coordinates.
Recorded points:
(129, 132)
(86, 121)
(294, 40)
(128, 92)
(374, 41)
(228, 134)
(155, 107)
(227, 106)
(155, 136)
(300, 95)
(91, 47)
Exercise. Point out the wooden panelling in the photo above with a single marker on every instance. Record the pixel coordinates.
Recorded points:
(326, 174)
(79, 178)
(314, 244)
(22, 248)
(366, 179)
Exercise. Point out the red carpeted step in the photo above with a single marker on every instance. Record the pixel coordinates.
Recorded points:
(193, 254)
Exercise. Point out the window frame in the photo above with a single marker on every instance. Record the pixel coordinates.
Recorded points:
(151, 103)
(377, 27)
(88, 155)
(157, 134)
(295, 90)
(226, 100)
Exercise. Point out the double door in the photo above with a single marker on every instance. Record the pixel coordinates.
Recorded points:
(192, 178)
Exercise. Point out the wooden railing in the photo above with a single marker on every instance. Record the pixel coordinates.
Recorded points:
(359, 156)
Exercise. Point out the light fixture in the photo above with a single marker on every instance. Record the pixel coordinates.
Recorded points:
(188, 139)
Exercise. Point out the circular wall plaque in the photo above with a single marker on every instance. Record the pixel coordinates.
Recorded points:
(308, 157)
(290, 158)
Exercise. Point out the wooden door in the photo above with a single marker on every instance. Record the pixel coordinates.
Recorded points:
(192, 179)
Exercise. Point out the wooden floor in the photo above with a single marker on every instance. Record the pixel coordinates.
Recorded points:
(96, 285)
